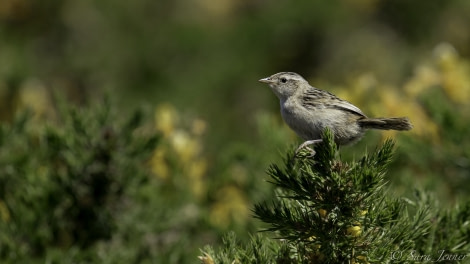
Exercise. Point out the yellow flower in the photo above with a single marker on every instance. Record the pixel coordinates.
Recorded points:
(394, 105)
(196, 172)
(322, 212)
(455, 73)
(166, 119)
(360, 259)
(390, 103)
(446, 55)
(312, 238)
(230, 207)
(158, 164)
(206, 259)
(185, 146)
(354, 231)
(424, 78)
(456, 83)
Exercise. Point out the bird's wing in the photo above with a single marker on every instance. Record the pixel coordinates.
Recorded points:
(318, 99)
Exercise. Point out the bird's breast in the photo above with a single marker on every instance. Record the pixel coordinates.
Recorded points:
(304, 122)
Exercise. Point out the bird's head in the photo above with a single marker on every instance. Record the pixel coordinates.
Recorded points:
(284, 84)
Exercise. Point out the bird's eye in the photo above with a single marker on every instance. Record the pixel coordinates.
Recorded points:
(283, 80)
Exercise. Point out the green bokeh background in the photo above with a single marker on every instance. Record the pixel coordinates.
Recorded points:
(200, 60)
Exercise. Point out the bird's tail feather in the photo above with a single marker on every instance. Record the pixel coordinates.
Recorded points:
(393, 123)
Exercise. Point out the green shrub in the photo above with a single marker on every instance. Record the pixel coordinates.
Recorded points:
(65, 183)
(330, 211)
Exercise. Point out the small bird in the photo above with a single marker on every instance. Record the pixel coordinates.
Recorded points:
(308, 111)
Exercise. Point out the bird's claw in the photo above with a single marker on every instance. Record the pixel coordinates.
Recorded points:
(306, 145)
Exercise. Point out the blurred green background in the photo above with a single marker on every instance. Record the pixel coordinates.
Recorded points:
(193, 66)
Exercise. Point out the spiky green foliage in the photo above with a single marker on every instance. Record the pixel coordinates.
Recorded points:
(65, 183)
(331, 211)
(328, 208)
(259, 250)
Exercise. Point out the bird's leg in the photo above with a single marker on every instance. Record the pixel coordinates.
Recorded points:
(306, 145)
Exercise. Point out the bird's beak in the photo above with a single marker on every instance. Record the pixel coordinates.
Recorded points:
(266, 80)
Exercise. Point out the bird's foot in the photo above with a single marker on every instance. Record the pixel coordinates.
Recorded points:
(306, 146)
